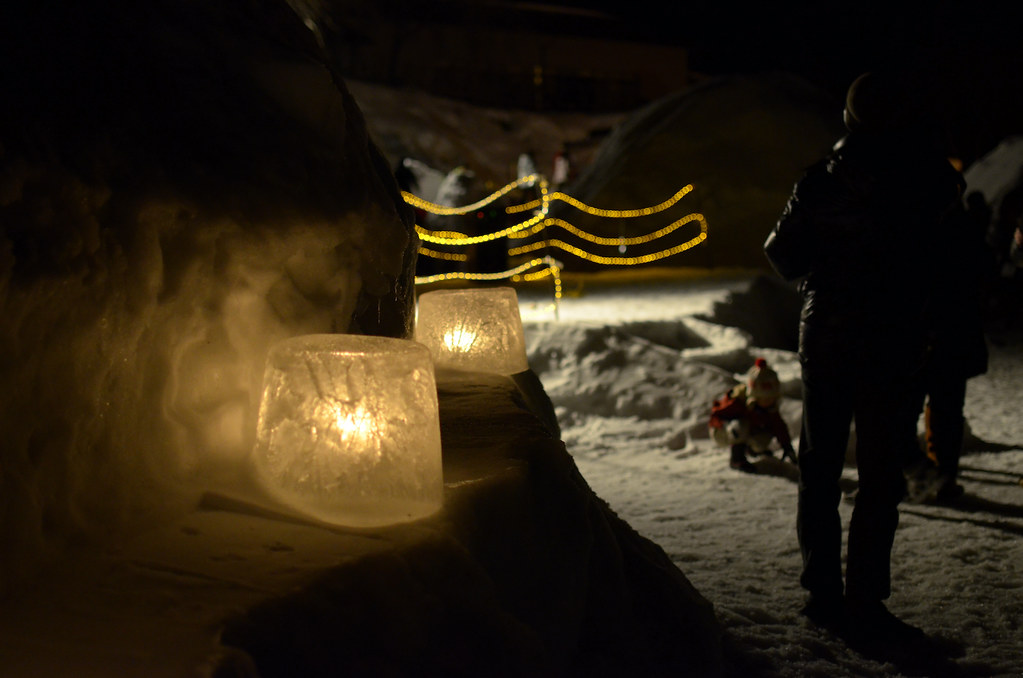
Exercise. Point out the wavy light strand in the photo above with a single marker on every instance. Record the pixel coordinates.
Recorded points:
(541, 267)
(601, 212)
(446, 256)
(552, 267)
(621, 240)
(443, 210)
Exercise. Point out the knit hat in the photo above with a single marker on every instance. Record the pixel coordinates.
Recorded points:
(762, 382)
(880, 102)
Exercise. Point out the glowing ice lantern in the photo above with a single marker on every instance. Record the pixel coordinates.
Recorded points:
(348, 429)
(473, 329)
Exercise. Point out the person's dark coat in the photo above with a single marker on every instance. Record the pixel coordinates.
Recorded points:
(860, 231)
(956, 313)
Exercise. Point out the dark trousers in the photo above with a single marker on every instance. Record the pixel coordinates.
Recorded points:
(871, 384)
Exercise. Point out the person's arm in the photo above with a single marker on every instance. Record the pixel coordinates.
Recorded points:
(788, 246)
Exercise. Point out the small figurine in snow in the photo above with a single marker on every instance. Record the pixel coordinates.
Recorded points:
(747, 418)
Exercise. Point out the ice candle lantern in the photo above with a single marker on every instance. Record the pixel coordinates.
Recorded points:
(477, 330)
(348, 429)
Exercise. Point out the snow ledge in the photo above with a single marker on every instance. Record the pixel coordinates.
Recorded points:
(525, 571)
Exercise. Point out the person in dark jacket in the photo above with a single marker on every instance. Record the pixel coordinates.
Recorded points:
(957, 352)
(862, 232)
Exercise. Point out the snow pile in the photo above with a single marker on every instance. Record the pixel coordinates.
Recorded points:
(163, 222)
(665, 372)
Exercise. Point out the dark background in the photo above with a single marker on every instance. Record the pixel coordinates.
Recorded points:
(968, 54)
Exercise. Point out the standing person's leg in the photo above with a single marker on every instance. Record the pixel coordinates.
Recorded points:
(885, 418)
(827, 412)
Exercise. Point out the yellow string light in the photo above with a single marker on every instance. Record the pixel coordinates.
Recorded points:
(525, 233)
(539, 221)
(439, 237)
(621, 240)
(600, 212)
(443, 210)
(454, 238)
(552, 268)
(447, 256)
(543, 267)
(615, 261)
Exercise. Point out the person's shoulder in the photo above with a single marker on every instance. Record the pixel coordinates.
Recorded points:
(814, 177)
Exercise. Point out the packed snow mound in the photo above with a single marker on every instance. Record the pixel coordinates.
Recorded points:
(768, 311)
(608, 372)
(188, 186)
(667, 372)
(624, 371)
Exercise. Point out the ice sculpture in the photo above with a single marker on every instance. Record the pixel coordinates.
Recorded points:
(348, 429)
(473, 329)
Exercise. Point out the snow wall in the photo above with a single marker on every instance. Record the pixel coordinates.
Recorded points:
(181, 184)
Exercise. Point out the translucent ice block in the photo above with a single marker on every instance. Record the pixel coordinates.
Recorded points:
(348, 429)
(473, 329)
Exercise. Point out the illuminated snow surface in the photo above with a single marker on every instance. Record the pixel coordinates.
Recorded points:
(634, 418)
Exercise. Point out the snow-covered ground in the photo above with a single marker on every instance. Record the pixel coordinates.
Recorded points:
(624, 365)
(633, 363)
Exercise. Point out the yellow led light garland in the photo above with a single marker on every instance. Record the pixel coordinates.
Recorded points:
(434, 208)
(548, 266)
(622, 240)
(614, 261)
(600, 212)
(553, 268)
(433, 237)
(447, 256)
